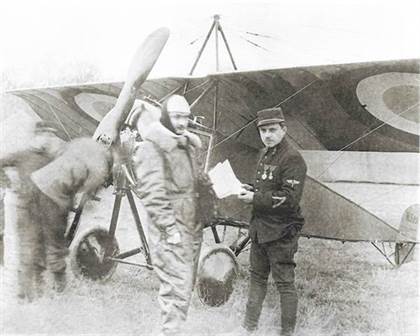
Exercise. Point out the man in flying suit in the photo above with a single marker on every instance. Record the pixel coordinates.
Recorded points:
(166, 172)
(276, 220)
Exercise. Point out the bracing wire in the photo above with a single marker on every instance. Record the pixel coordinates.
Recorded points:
(253, 120)
(296, 93)
(364, 136)
(380, 195)
(197, 86)
(257, 34)
(293, 48)
(254, 44)
(60, 122)
(195, 40)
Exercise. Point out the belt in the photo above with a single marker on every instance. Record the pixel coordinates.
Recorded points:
(182, 196)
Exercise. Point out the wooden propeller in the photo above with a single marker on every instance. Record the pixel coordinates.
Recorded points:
(143, 61)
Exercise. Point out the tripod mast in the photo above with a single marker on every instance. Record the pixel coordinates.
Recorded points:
(216, 27)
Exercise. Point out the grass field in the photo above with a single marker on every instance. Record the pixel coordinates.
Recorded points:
(343, 290)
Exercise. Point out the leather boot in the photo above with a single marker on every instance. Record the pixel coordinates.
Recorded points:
(257, 292)
(39, 281)
(289, 302)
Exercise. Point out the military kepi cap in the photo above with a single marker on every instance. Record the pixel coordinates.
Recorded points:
(270, 116)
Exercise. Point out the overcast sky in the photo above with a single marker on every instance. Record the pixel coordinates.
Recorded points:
(40, 37)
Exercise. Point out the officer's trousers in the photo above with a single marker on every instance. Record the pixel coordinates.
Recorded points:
(278, 257)
(176, 266)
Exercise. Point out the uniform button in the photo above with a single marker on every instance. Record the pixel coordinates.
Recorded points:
(256, 189)
(258, 172)
(258, 180)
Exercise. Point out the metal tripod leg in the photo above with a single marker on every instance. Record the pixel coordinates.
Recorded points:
(115, 212)
(139, 227)
(76, 220)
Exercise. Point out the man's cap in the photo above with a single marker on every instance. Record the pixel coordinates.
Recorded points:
(46, 126)
(177, 104)
(270, 116)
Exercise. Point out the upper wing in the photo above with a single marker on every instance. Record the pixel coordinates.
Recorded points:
(372, 106)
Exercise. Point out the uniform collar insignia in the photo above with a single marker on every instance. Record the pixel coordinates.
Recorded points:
(293, 182)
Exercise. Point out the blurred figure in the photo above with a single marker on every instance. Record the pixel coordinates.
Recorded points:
(19, 219)
(83, 166)
(2, 194)
(4, 183)
(167, 185)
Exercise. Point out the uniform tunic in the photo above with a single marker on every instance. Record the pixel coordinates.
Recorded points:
(278, 187)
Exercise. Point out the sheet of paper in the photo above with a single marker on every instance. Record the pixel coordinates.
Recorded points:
(225, 182)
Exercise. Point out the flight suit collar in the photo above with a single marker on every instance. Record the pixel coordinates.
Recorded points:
(168, 140)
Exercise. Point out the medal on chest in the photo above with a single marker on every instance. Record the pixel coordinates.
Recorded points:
(264, 176)
(268, 172)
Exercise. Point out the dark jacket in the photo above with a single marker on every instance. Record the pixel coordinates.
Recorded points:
(278, 187)
(83, 166)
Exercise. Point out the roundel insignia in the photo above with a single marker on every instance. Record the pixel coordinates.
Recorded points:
(393, 98)
(94, 104)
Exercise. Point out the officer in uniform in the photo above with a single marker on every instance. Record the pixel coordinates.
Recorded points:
(276, 220)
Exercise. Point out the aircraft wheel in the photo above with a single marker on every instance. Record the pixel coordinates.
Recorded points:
(216, 277)
(90, 253)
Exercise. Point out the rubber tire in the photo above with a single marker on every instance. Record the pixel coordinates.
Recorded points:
(211, 289)
(85, 260)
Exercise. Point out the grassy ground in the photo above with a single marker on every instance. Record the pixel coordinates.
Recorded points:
(343, 290)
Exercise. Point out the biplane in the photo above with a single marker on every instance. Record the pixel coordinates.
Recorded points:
(357, 126)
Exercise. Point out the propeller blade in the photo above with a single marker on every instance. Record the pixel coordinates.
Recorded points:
(143, 61)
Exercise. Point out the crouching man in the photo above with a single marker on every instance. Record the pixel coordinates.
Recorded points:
(82, 167)
(167, 185)
(276, 220)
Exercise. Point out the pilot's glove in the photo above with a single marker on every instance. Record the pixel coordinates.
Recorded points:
(172, 235)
